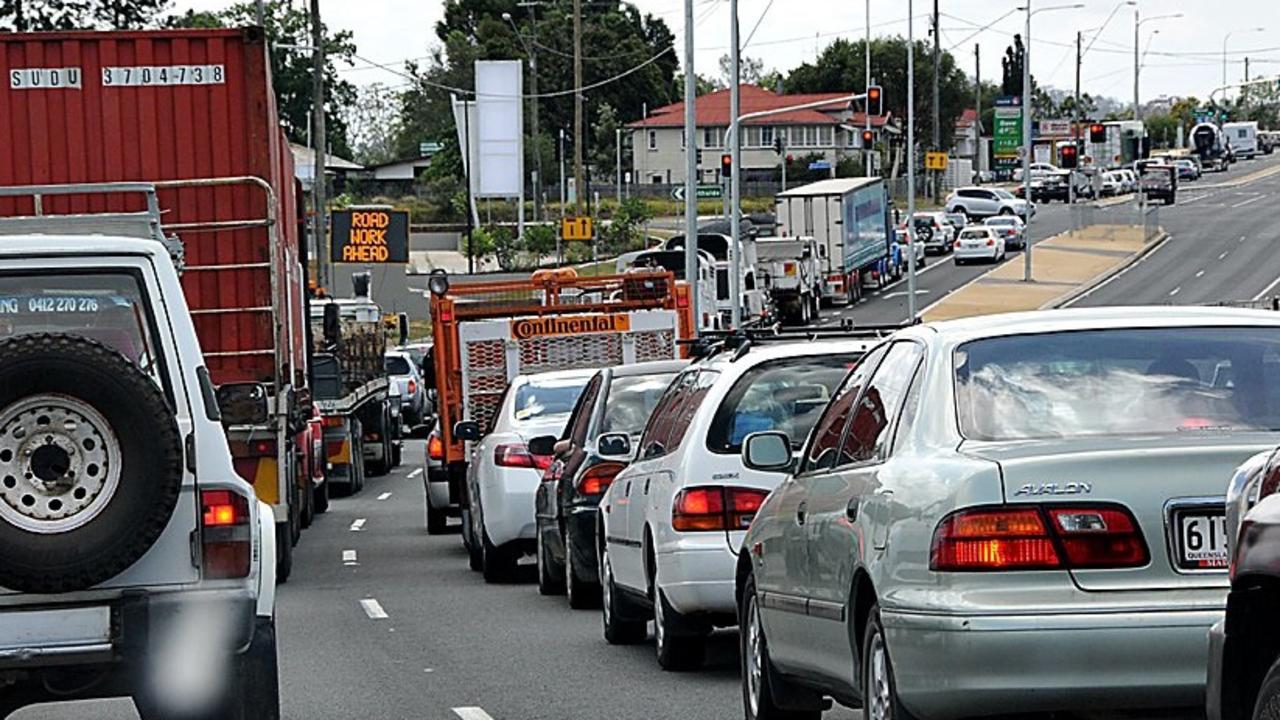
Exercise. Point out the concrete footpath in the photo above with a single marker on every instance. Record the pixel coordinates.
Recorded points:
(1063, 267)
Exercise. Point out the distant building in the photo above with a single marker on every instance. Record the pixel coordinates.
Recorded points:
(833, 131)
(304, 166)
(966, 134)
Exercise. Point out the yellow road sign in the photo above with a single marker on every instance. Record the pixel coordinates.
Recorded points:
(935, 161)
(577, 228)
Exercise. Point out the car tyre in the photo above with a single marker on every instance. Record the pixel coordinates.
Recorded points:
(759, 681)
(284, 553)
(397, 454)
(680, 648)
(550, 577)
(475, 555)
(581, 595)
(617, 631)
(1267, 706)
(498, 563)
(879, 689)
(437, 520)
(320, 497)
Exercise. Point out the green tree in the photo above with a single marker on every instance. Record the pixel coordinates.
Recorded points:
(372, 124)
(604, 141)
(288, 23)
(32, 15)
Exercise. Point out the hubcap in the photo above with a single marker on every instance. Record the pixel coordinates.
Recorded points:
(59, 464)
(754, 656)
(878, 693)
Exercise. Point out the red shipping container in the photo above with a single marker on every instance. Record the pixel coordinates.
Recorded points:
(155, 106)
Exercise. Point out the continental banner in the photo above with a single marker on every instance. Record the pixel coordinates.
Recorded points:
(557, 326)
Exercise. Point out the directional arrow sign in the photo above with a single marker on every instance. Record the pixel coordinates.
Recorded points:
(705, 192)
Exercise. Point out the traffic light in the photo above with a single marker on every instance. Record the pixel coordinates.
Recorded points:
(1097, 133)
(1070, 157)
(868, 139)
(699, 158)
(779, 144)
(875, 100)
(726, 165)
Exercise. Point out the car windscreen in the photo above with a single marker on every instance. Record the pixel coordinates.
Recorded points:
(397, 365)
(542, 398)
(106, 307)
(787, 395)
(1002, 220)
(1119, 382)
(631, 401)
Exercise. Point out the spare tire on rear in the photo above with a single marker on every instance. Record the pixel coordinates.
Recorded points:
(90, 463)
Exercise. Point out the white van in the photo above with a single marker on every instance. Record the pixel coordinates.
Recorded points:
(1243, 137)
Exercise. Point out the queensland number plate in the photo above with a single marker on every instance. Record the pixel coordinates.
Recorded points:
(1202, 539)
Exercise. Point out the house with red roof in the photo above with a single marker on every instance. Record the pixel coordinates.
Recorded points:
(833, 131)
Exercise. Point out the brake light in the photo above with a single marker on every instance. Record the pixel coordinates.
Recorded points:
(517, 455)
(332, 421)
(413, 386)
(957, 243)
(705, 509)
(435, 448)
(225, 538)
(1036, 538)
(990, 242)
(597, 479)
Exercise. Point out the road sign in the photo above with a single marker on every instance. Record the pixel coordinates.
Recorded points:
(935, 161)
(705, 192)
(820, 165)
(429, 148)
(370, 235)
(1055, 128)
(579, 229)
(1007, 130)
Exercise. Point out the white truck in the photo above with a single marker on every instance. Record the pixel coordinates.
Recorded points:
(126, 535)
(790, 269)
(1209, 143)
(756, 308)
(1243, 137)
(1120, 149)
(673, 261)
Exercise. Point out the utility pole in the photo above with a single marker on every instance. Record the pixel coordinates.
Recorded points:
(1137, 68)
(260, 13)
(691, 168)
(937, 123)
(977, 121)
(1075, 132)
(1246, 69)
(319, 147)
(1027, 146)
(618, 131)
(866, 152)
(735, 151)
(579, 177)
(911, 165)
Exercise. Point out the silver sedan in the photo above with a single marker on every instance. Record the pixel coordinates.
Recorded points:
(1009, 515)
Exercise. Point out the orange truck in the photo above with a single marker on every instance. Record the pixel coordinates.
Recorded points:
(487, 333)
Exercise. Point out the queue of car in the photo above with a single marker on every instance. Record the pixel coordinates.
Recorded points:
(953, 500)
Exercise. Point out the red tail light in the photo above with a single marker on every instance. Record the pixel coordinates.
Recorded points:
(435, 448)
(1034, 538)
(597, 479)
(517, 455)
(224, 531)
(704, 509)
(957, 243)
(332, 421)
(413, 386)
(254, 448)
(990, 242)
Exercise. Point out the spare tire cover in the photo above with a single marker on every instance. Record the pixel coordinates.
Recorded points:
(90, 463)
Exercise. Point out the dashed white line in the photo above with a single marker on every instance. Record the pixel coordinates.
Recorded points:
(1250, 201)
(358, 525)
(373, 609)
(1200, 274)
(472, 713)
(384, 496)
(1224, 254)
(1242, 238)
(1267, 290)
(349, 557)
(415, 473)
(1175, 291)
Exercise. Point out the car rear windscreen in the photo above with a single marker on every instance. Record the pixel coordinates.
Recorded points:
(786, 395)
(397, 365)
(1119, 382)
(544, 398)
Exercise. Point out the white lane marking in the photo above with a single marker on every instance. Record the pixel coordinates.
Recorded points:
(373, 609)
(904, 293)
(1250, 201)
(472, 713)
(415, 473)
(1120, 274)
(1200, 274)
(1224, 254)
(1242, 237)
(1267, 289)
(384, 496)
(1175, 291)
(358, 525)
(919, 271)
(349, 557)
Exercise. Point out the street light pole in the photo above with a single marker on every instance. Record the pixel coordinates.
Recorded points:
(690, 166)
(1224, 49)
(911, 164)
(319, 147)
(1137, 59)
(866, 151)
(735, 151)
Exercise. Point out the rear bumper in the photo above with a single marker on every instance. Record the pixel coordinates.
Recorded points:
(437, 486)
(507, 504)
(697, 576)
(951, 666)
(1213, 692)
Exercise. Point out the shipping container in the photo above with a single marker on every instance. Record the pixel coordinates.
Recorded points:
(850, 218)
(194, 112)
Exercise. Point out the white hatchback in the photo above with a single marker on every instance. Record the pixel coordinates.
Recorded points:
(503, 476)
(672, 523)
(979, 242)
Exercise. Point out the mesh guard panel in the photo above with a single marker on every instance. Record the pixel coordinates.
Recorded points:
(545, 354)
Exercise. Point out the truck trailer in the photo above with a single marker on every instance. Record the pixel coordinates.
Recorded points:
(849, 218)
(193, 113)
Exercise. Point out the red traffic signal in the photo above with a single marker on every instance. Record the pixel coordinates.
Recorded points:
(868, 138)
(1070, 157)
(875, 100)
(1097, 133)
(726, 165)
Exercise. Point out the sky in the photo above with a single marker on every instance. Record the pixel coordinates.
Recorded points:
(1183, 55)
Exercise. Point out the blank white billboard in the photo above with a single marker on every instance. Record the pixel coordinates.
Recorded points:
(499, 135)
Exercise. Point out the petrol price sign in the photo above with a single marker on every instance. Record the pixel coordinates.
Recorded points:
(372, 236)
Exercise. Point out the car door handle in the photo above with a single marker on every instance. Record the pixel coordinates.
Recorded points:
(851, 510)
(646, 486)
(626, 491)
(802, 512)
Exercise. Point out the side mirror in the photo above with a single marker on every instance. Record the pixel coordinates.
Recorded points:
(614, 445)
(420, 432)
(543, 446)
(243, 403)
(467, 430)
(767, 452)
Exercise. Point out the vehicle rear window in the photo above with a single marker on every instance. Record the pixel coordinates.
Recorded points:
(787, 395)
(544, 398)
(397, 365)
(1119, 382)
(973, 235)
(107, 307)
(631, 401)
